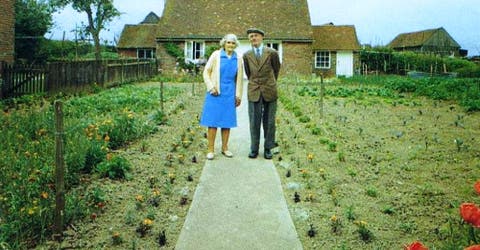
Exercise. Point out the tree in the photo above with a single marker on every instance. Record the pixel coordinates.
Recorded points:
(33, 19)
(99, 14)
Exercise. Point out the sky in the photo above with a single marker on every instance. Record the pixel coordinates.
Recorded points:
(377, 22)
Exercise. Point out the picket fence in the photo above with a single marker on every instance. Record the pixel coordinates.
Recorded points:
(71, 76)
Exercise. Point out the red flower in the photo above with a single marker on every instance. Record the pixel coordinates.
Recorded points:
(470, 213)
(416, 246)
(476, 186)
(474, 247)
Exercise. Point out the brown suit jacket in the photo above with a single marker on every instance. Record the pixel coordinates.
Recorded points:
(262, 74)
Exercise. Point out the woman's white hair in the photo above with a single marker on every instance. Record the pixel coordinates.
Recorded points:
(231, 38)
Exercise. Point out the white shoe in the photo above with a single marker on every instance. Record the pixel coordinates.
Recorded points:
(210, 156)
(227, 154)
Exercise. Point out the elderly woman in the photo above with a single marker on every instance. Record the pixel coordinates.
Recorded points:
(223, 76)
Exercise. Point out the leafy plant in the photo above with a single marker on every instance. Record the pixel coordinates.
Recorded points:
(115, 168)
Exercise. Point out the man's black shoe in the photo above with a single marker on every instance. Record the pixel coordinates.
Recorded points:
(268, 154)
(253, 154)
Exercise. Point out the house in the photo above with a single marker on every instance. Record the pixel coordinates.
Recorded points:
(431, 41)
(7, 31)
(139, 40)
(194, 26)
(335, 50)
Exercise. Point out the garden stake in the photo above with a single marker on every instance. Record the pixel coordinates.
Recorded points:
(322, 93)
(161, 97)
(59, 171)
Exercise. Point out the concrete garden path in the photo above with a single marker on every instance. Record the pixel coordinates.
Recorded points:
(239, 202)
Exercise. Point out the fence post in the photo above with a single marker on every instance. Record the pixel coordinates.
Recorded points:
(322, 93)
(161, 96)
(2, 75)
(59, 172)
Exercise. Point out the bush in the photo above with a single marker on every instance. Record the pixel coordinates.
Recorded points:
(115, 168)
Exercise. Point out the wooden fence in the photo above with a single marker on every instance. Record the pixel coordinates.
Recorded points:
(72, 76)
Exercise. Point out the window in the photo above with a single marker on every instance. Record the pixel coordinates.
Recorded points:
(322, 59)
(145, 54)
(274, 46)
(194, 50)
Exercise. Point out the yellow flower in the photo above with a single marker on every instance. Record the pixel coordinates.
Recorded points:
(333, 218)
(31, 211)
(139, 198)
(147, 222)
(156, 192)
(44, 195)
(107, 138)
(116, 235)
(310, 156)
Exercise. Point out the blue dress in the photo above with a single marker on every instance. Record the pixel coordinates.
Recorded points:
(220, 111)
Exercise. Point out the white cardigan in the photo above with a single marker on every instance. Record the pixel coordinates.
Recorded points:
(211, 74)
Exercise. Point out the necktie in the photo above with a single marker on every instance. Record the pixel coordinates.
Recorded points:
(257, 52)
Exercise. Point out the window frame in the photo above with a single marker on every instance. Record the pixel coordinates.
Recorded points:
(145, 52)
(323, 61)
(194, 50)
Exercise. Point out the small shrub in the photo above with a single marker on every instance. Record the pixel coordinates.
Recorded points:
(372, 192)
(365, 234)
(115, 168)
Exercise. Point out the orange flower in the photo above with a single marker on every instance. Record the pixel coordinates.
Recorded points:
(470, 213)
(477, 186)
(416, 246)
(474, 247)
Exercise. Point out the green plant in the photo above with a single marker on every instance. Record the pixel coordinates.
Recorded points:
(115, 168)
(332, 146)
(335, 224)
(364, 232)
(372, 192)
(350, 214)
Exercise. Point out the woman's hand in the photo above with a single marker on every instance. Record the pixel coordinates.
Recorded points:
(238, 101)
(214, 91)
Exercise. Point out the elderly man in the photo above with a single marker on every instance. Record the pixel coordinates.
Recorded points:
(262, 65)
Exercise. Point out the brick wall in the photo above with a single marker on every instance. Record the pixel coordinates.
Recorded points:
(7, 31)
(167, 63)
(297, 59)
(130, 53)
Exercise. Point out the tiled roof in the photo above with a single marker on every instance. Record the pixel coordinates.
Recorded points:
(280, 19)
(418, 38)
(335, 37)
(151, 18)
(138, 36)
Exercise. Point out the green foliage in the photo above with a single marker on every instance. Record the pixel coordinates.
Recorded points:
(464, 90)
(391, 62)
(32, 21)
(176, 52)
(115, 168)
(210, 49)
(27, 153)
(99, 13)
